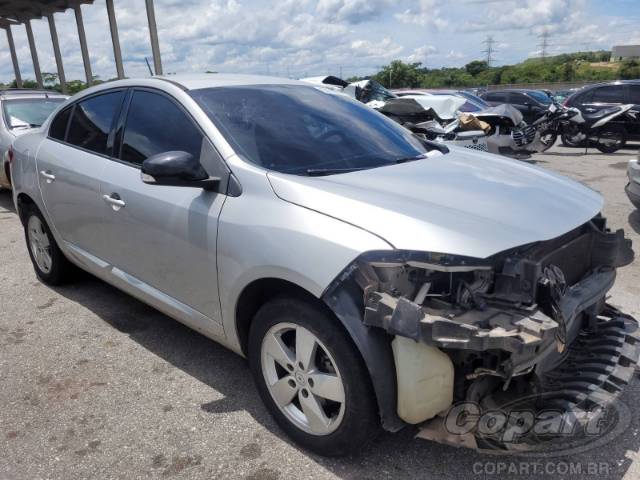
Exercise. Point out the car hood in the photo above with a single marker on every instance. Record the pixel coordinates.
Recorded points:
(18, 132)
(463, 202)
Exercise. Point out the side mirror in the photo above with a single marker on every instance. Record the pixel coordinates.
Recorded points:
(177, 169)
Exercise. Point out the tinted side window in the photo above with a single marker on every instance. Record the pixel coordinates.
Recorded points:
(92, 120)
(634, 94)
(582, 98)
(609, 94)
(519, 98)
(59, 124)
(155, 125)
(496, 97)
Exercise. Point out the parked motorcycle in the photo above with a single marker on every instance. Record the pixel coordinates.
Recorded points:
(599, 129)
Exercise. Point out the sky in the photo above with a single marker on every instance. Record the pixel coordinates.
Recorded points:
(298, 38)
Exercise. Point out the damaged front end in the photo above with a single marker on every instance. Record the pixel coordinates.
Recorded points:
(529, 323)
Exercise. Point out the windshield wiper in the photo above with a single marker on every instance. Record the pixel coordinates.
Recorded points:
(410, 159)
(317, 172)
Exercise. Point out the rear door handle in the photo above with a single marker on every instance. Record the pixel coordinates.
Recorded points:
(47, 175)
(590, 110)
(114, 200)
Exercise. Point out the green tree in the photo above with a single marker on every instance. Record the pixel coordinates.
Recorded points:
(629, 69)
(476, 67)
(26, 83)
(399, 74)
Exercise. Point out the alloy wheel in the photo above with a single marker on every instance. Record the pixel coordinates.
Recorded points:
(39, 244)
(303, 378)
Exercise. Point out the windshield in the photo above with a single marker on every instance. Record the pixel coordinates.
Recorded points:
(469, 107)
(476, 100)
(29, 112)
(306, 130)
(472, 104)
(540, 97)
(372, 90)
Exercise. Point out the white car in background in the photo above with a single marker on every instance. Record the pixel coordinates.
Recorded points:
(633, 187)
(22, 110)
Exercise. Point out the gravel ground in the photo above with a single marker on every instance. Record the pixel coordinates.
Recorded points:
(94, 384)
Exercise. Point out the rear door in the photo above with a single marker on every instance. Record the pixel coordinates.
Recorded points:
(496, 98)
(529, 108)
(634, 97)
(70, 162)
(161, 235)
(603, 97)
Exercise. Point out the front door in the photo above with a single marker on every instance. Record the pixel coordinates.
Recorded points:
(162, 236)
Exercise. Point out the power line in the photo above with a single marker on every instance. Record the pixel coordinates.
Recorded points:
(544, 43)
(489, 51)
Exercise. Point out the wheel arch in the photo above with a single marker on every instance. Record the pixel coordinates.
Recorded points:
(23, 202)
(346, 307)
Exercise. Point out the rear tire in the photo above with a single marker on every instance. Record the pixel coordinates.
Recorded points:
(568, 141)
(50, 264)
(614, 133)
(334, 378)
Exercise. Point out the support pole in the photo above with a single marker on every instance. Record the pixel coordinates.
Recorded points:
(56, 52)
(14, 57)
(83, 44)
(115, 40)
(153, 34)
(34, 53)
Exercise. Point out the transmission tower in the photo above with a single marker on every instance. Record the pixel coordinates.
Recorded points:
(544, 43)
(489, 50)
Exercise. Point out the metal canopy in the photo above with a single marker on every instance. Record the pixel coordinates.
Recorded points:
(22, 10)
(16, 12)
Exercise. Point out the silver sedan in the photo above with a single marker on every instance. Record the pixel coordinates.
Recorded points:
(372, 278)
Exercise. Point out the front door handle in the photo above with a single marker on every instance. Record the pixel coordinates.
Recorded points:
(114, 200)
(590, 110)
(47, 175)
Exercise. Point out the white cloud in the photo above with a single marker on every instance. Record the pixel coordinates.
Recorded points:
(309, 37)
(351, 11)
(425, 13)
(422, 54)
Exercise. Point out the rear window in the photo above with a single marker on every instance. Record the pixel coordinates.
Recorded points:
(469, 107)
(609, 94)
(92, 120)
(541, 97)
(59, 125)
(28, 112)
(634, 94)
(496, 97)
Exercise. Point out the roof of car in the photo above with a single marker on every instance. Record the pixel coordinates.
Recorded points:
(617, 82)
(210, 80)
(518, 90)
(25, 92)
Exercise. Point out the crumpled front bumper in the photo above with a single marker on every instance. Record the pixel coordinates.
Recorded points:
(597, 366)
(527, 334)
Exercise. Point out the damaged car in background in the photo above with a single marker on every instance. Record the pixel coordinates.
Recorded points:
(373, 278)
(454, 117)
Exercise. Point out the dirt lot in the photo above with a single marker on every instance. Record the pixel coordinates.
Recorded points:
(94, 384)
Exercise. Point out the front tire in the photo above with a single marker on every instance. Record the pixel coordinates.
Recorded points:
(50, 264)
(547, 140)
(311, 377)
